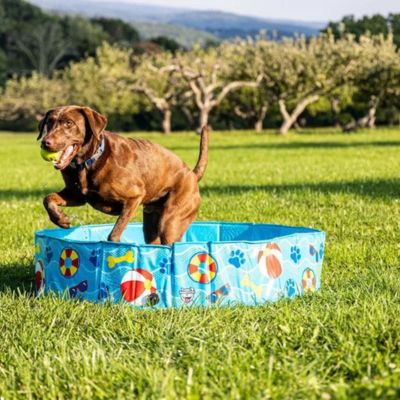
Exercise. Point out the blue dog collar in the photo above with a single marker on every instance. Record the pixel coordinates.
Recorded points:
(90, 161)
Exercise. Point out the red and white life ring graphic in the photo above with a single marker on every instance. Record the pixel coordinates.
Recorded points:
(39, 275)
(308, 281)
(202, 268)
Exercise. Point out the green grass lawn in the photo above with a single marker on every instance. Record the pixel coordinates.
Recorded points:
(343, 342)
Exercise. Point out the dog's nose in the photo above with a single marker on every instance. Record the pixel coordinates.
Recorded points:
(47, 143)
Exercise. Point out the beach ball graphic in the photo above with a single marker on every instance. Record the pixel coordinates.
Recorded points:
(270, 260)
(39, 275)
(138, 288)
(308, 281)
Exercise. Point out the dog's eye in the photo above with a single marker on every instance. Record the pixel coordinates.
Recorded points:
(68, 124)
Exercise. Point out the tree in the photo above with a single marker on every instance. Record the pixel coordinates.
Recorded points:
(249, 103)
(377, 75)
(298, 71)
(167, 44)
(28, 98)
(207, 72)
(373, 25)
(156, 77)
(118, 32)
(44, 48)
(100, 81)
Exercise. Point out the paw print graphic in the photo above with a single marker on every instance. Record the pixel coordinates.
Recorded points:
(103, 291)
(48, 253)
(290, 288)
(95, 258)
(165, 266)
(237, 258)
(321, 251)
(295, 254)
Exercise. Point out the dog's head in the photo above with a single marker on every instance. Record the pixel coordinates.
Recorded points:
(69, 130)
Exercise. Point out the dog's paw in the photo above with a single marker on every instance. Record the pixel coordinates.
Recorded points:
(295, 254)
(64, 223)
(60, 219)
(113, 238)
(237, 258)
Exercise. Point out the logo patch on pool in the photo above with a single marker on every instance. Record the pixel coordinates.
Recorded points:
(202, 268)
(69, 263)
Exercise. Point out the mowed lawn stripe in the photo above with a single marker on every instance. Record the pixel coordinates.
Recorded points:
(340, 343)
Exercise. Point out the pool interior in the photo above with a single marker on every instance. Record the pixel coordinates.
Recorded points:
(197, 232)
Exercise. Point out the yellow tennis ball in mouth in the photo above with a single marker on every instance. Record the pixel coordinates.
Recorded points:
(49, 155)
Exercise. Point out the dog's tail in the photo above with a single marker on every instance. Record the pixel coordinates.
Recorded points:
(201, 165)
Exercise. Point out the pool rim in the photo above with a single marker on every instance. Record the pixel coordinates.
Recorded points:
(46, 233)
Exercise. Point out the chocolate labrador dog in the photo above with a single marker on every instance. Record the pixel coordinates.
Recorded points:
(115, 175)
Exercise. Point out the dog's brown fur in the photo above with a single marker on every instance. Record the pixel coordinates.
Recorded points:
(130, 172)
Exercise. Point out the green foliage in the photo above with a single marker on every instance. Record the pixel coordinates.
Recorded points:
(167, 44)
(264, 82)
(375, 25)
(118, 31)
(99, 81)
(342, 343)
(33, 40)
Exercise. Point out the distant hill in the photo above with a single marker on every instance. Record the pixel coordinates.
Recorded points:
(187, 37)
(215, 23)
(227, 25)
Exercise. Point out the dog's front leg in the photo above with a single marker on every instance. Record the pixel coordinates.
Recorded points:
(128, 211)
(65, 198)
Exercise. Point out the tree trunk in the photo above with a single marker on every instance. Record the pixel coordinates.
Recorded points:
(335, 112)
(189, 116)
(166, 123)
(260, 119)
(373, 105)
(290, 119)
(204, 114)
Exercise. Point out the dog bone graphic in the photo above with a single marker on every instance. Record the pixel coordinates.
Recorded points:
(113, 261)
(246, 282)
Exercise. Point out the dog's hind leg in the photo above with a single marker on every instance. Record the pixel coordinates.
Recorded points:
(180, 210)
(151, 224)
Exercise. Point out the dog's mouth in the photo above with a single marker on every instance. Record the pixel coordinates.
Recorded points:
(66, 157)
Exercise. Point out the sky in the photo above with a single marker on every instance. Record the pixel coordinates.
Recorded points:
(306, 10)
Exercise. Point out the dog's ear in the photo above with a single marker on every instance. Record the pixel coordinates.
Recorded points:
(42, 124)
(95, 120)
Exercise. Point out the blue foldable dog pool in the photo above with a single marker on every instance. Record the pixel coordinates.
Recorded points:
(215, 263)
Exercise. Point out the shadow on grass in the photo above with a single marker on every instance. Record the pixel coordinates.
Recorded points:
(294, 145)
(379, 188)
(17, 278)
(21, 194)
